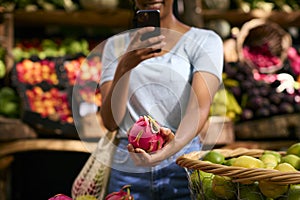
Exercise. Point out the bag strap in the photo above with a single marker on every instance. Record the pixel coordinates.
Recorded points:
(110, 141)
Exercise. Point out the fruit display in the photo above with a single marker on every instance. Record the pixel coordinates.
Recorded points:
(91, 96)
(72, 69)
(35, 72)
(85, 73)
(264, 77)
(49, 48)
(262, 58)
(90, 70)
(53, 104)
(216, 178)
(263, 95)
(47, 72)
(249, 94)
(38, 84)
(145, 134)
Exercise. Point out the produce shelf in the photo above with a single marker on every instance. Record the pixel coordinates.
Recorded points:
(13, 147)
(119, 18)
(238, 17)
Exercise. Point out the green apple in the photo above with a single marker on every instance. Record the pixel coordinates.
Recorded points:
(214, 157)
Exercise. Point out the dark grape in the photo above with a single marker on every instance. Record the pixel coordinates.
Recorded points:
(236, 91)
(248, 71)
(255, 102)
(230, 70)
(240, 77)
(273, 109)
(265, 102)
(288, 98)
(285, 108)
(276, 98)
(254, 92)
(246, 85)
(262, 112)
(265, 91)
(247, 114)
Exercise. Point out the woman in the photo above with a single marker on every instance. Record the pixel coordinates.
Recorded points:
(175, 86)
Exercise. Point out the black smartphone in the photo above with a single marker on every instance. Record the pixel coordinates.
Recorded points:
(146, 18)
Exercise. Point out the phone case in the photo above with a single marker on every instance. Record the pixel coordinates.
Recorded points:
(147, 18)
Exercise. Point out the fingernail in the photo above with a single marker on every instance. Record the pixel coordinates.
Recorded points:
(162, 37)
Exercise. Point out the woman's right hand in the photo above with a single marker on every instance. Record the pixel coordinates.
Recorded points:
(139, 50)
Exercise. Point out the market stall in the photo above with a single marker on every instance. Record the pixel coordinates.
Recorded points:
(45, 56)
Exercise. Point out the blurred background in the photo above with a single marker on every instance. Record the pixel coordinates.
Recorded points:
(46, 47)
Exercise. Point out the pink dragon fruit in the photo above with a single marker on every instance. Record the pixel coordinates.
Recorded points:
(145, 134)
(121, 195)
(60, 197)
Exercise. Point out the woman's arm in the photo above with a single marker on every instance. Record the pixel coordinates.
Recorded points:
(204, 87)
(111, 111)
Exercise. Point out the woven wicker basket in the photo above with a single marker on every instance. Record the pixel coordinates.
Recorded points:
(257, 32)
(238, 174)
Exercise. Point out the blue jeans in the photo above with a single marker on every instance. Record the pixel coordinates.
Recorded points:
(165, 181)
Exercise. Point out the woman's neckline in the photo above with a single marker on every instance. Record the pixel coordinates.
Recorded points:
(175, 46)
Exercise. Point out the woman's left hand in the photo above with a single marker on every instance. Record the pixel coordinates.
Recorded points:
(141, 158)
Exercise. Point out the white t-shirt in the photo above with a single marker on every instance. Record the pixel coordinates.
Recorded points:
(160, 86)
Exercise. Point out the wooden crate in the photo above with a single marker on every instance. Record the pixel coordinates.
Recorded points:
(276, 127)
(11, 129)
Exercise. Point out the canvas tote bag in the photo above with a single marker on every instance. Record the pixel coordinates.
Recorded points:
(94, 176)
